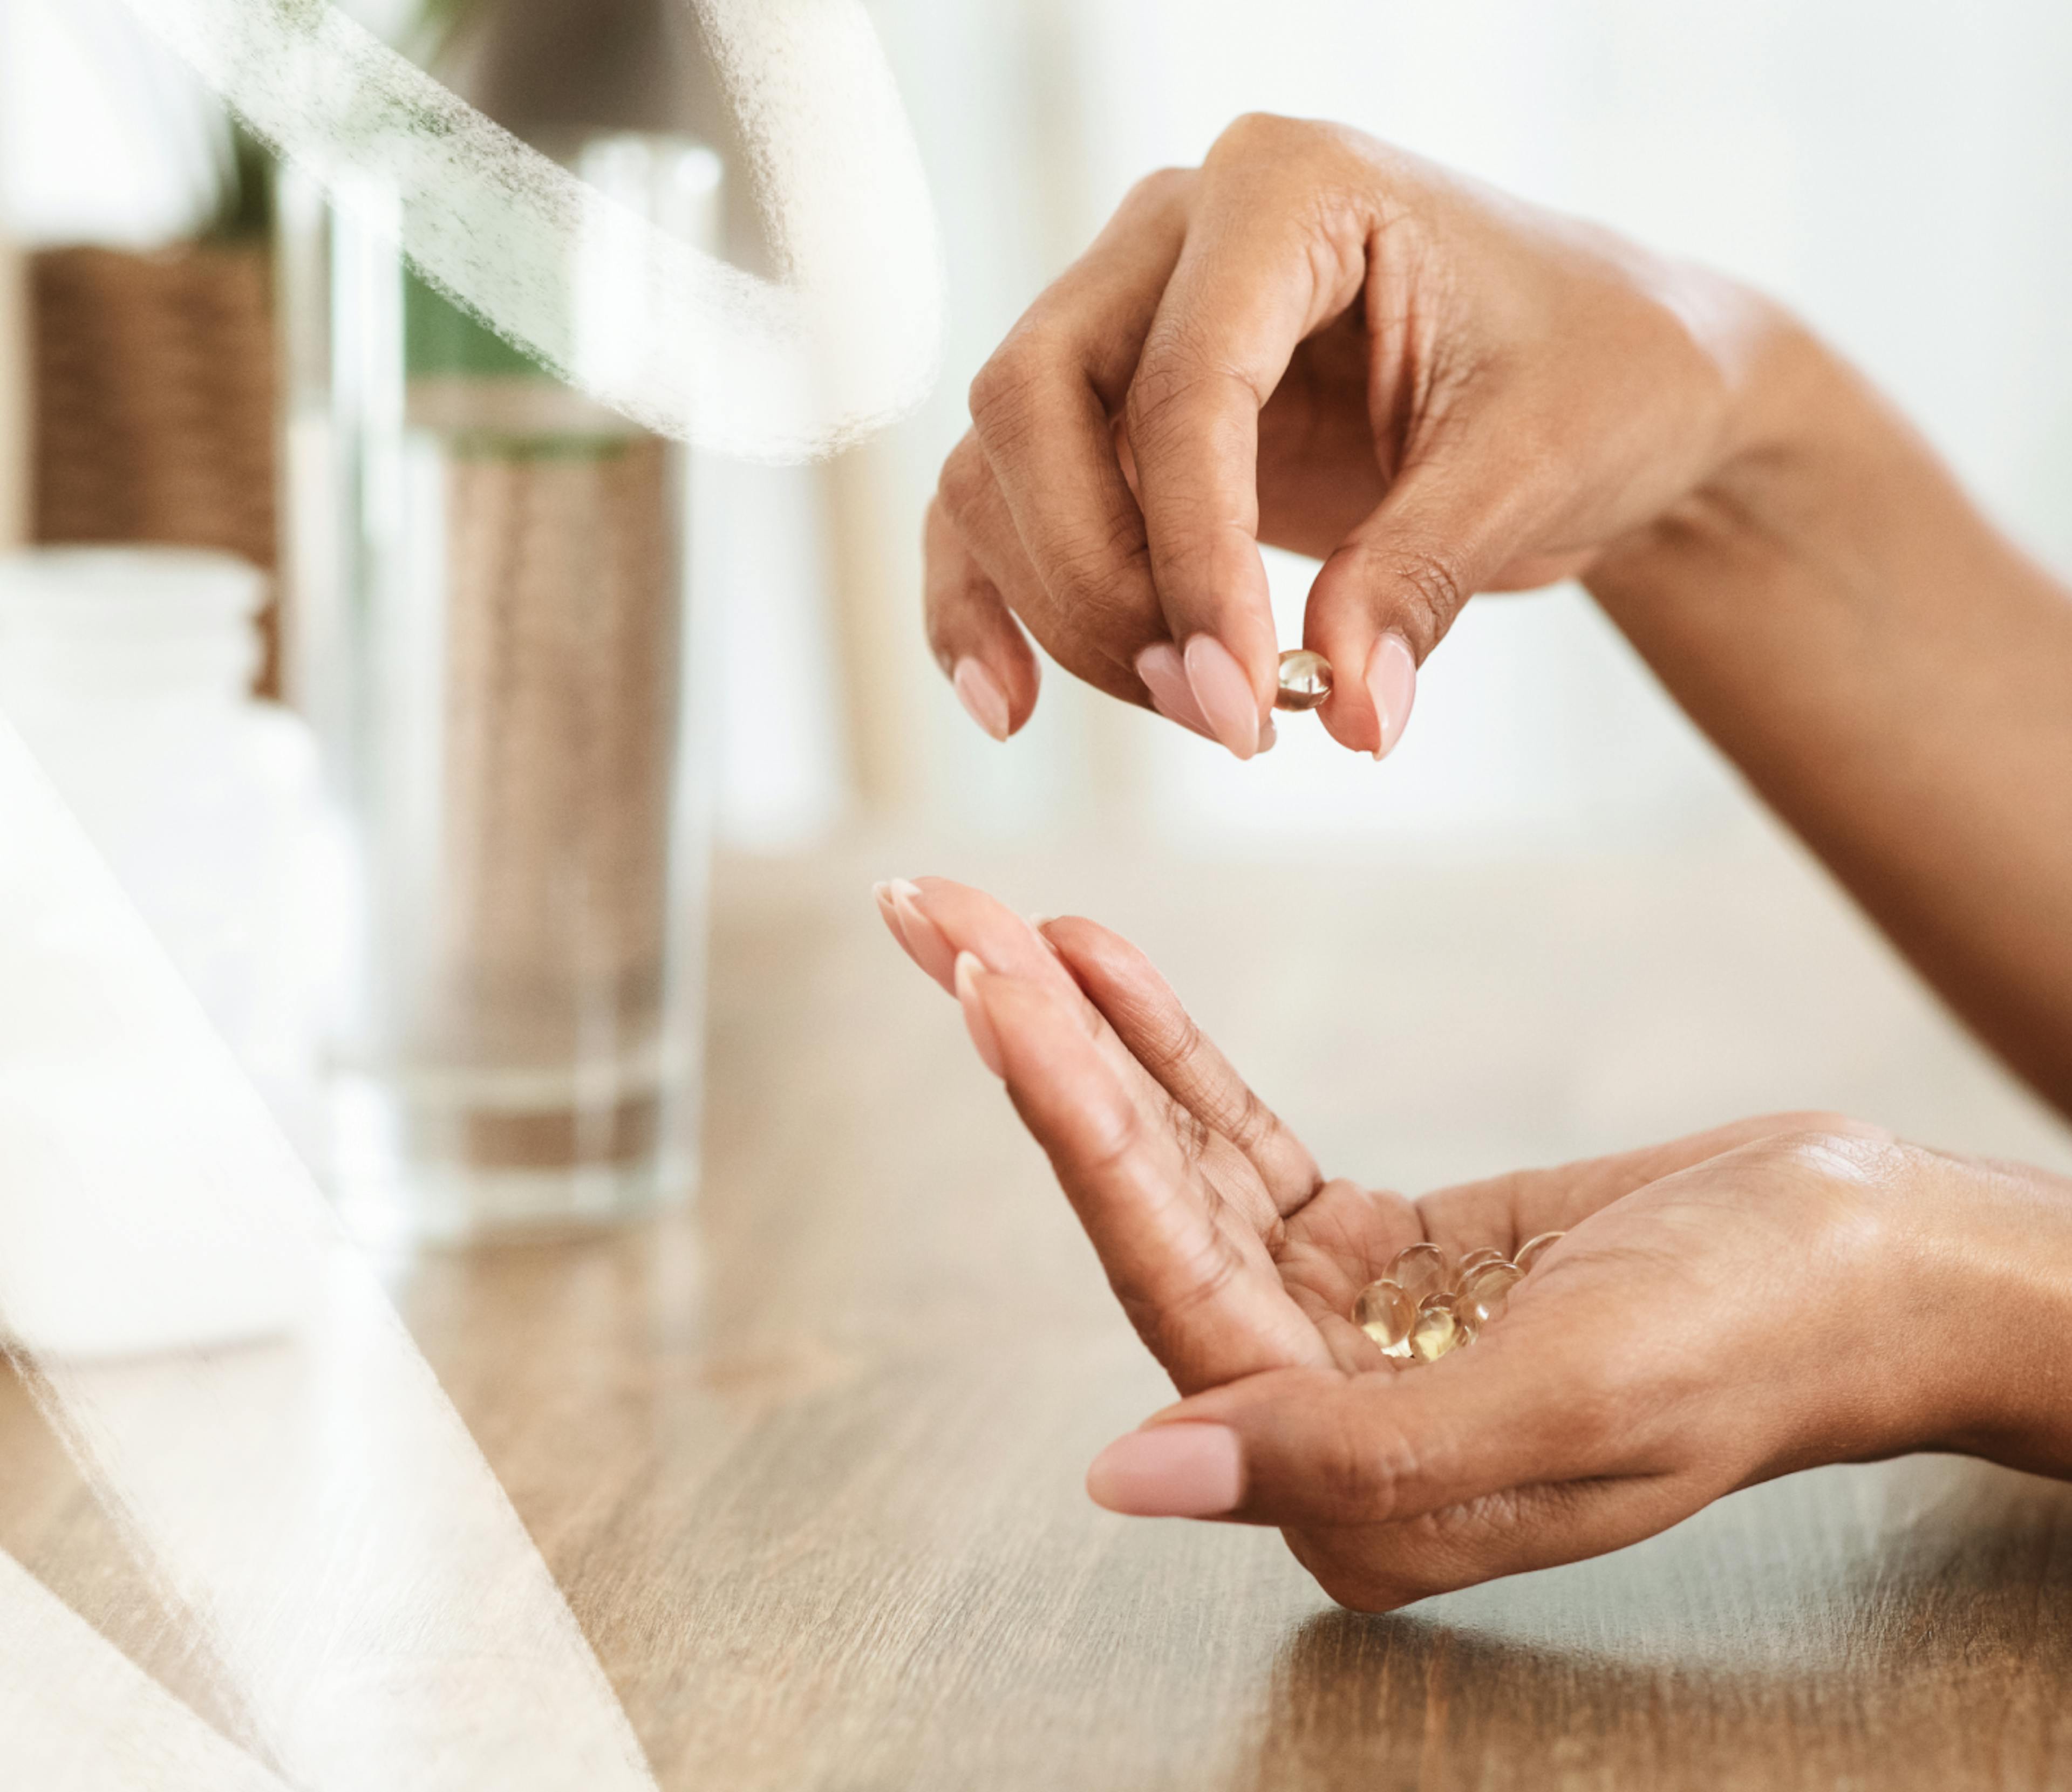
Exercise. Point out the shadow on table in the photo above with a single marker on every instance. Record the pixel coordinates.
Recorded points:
(1900, 1624)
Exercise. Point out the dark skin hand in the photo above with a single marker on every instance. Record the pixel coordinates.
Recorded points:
(1317, 341)
(1775, 1293)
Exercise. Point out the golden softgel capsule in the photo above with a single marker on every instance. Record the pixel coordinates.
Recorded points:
(1419, 1270)
(1485, 1293)
(1305, 679)
(1477, 1259)
(1385, 1315)
(1438, 1330)
(1534, 1248)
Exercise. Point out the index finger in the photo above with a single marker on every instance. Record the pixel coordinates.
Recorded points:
(1257, 275)
(1140, 1005)
(1042, 407)
(1204, 1297)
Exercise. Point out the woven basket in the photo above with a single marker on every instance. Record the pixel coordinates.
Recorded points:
(152, 402)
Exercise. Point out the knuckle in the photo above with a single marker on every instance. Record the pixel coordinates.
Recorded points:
(1235, 1112)
(1845, 1157)
(1358, 1589)
(963, 482)
(1847, 1176)
(1252, 1123)
(1164, 376)
(1193, 1134)
(1003, 392)
(1362, 1477)
(1261, 136)
(1829, 1122)
(1161, 187)
(1117, 1141)
(1081, 573)
(1178, 370)
(1352, 1572)
(1426, 592)
(1178, 1045)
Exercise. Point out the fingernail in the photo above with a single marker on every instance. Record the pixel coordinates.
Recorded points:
(977, 1022)
(979, 692)
(1224, 693)
(889, 912)
(1165, 678)
(1392, 682)
(1039, 922)
(1181, 1471)
(925, 943)
(1269, 735)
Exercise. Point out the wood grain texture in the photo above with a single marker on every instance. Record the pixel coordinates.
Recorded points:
(807, 1457)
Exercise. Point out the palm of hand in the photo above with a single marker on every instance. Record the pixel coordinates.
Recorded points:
(1227, 1249)
(1585, 1420)
(1683, 1261)
(1319, 1254)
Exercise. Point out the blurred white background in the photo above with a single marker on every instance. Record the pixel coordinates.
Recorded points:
(1899, 172)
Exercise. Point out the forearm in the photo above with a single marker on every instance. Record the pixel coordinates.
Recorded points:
(1892, 675)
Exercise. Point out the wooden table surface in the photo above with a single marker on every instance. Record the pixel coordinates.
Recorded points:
(807, 1457)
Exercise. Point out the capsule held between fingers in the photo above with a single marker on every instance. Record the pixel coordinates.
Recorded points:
(1305, 680)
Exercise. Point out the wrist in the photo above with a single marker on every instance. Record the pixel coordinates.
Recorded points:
(1807, 456)
(1997, 1293)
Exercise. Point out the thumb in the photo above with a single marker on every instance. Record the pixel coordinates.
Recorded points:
(1311, 1446)
(1392, 588)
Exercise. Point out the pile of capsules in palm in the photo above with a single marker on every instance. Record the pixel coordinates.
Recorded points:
(1423, 1304)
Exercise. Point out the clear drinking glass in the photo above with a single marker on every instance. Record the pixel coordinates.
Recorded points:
(491, 629)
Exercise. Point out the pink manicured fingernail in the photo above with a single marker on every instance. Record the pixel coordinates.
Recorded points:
(888, 913)
(1392, 682)
(1224, 693)
(925, 943)
(1165, 678)
(1179, 1471)
(979, 692)
(977, 1022)
(1039, 922)
(1269, 735)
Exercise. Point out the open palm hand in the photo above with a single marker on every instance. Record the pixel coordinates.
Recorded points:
(1724, 1308)
(1227, 1248)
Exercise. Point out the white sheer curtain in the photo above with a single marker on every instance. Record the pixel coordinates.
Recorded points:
(1901, 172)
